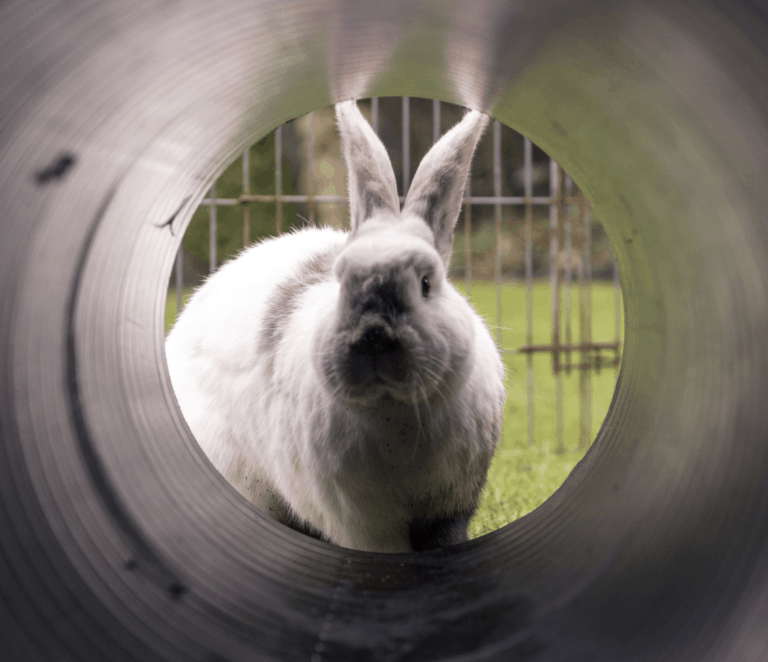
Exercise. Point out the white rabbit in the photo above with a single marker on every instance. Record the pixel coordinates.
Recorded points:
(338, 380)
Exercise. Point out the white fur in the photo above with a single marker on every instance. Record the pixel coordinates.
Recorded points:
(357, 445)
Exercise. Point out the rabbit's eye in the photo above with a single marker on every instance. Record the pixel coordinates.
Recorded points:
(425, 286)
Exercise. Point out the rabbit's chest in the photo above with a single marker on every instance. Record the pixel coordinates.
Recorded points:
(397, 463)
(404, 461)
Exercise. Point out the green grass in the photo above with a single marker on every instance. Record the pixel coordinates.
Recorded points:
(171, 308)
(521, 477)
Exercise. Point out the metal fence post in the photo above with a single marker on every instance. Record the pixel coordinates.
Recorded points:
(246, 191)
(554, 221)
(279, 179)
(179, 277)
(212, 231)
(310, 184)
(585, 331)
(406, 145)
(435, 121)
(616, 310)
(568, 249)
(497, 227)
(528, 178)
(375, 115)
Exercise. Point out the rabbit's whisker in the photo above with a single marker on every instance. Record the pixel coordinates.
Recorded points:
(435, 378)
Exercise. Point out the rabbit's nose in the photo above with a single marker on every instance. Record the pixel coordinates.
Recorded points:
(376, 339)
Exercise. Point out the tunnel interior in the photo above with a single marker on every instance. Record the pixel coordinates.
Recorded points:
(121, 539)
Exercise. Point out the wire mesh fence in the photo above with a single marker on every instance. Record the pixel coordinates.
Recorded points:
(524, 225)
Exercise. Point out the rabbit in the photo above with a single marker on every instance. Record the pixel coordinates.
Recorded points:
(338, 380)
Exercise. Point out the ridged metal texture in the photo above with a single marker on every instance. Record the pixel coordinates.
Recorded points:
(117, 538)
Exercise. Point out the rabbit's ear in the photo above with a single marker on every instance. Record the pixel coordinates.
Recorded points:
(438, 186)
(372, 185)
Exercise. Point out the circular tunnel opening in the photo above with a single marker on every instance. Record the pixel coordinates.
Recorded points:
(524, 232)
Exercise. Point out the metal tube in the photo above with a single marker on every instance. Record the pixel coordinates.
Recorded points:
(86, 405)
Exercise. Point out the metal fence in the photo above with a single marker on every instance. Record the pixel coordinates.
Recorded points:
(568, 211)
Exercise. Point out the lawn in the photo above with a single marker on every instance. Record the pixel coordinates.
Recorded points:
(521, 477)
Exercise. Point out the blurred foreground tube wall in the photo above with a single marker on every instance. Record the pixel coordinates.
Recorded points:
(119, 541)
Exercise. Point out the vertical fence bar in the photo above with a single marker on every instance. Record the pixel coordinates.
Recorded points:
(311, 168)
(497, 226)
(435, 120)
(468, 237)
(616, 309)
(568, 248)
(179, 277)
(406, 144)
(585, 330)
(528, 173)
(279, 179)
(553, 253)
(246, 191)
(374, 125)
(467, 206)
(212, 231)
(554, 220)
(375, 115)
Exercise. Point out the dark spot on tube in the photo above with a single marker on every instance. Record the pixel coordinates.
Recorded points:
(56, 170)
(169, 222)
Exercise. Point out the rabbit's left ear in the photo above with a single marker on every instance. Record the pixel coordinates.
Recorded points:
(438, 186)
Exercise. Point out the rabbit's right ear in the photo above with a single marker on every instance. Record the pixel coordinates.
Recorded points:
(372, 185)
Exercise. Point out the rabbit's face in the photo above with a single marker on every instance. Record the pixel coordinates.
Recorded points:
(399, 331)
(395, 333)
